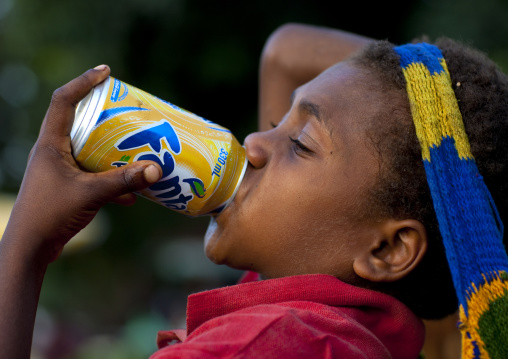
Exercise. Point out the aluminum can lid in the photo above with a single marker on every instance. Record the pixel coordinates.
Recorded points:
(87, 113)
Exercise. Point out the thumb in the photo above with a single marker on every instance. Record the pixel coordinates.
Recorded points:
(126, 179)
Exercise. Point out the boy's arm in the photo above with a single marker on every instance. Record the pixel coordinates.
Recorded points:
(293, 55)
(56, 200)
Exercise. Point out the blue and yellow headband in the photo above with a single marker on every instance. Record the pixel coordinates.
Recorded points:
(467, 216)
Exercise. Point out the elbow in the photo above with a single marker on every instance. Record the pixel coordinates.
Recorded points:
(278, 48)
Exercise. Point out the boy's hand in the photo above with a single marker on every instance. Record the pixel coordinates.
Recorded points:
(57, 199)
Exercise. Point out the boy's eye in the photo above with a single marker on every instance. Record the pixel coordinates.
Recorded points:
(299, 147)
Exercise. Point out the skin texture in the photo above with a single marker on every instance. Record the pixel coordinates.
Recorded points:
(301, 207)
(299, 210)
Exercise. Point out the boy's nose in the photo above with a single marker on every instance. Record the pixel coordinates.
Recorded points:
(257, 149)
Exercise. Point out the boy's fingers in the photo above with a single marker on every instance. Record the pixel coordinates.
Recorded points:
(127, 179)
(125, 200)
(60, 114)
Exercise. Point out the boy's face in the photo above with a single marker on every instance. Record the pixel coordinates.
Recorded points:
(302, 207)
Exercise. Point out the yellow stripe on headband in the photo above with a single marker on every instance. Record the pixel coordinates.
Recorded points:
(435, 110)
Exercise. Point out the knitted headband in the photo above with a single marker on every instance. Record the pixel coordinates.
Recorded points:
(467, 216)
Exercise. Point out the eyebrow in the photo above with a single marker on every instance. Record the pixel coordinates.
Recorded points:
(307, 107)
(310, 108)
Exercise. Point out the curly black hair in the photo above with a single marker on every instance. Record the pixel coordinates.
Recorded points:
(401, 191)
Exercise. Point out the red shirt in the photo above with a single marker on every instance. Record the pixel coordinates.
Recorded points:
(306, 316)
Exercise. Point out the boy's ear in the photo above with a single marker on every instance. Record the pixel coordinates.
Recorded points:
(397, 250)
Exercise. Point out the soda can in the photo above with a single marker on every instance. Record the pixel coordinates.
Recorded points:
(202, 162)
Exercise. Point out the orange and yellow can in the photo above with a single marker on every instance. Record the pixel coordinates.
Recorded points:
(202, 162)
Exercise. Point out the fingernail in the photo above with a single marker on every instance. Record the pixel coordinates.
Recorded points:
(151, 174)
(100, 67)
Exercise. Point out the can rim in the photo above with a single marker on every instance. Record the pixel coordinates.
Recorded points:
(86, 115)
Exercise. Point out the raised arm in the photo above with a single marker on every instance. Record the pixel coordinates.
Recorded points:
(56, 200)
(293, 55)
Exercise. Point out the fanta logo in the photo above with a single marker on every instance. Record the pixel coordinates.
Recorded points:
(197, 186)
(151, 136)
(221, 161)
(123, 161)
(168, 189)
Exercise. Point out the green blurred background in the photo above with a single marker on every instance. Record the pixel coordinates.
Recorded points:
(129, 274)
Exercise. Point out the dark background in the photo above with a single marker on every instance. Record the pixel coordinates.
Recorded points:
(129, 274)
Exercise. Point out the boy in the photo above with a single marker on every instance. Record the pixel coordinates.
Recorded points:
(334, 210)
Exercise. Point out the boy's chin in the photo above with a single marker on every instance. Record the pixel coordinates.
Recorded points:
(211, 240)
(210, 231)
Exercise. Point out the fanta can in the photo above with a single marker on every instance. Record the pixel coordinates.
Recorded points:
(202, 162)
